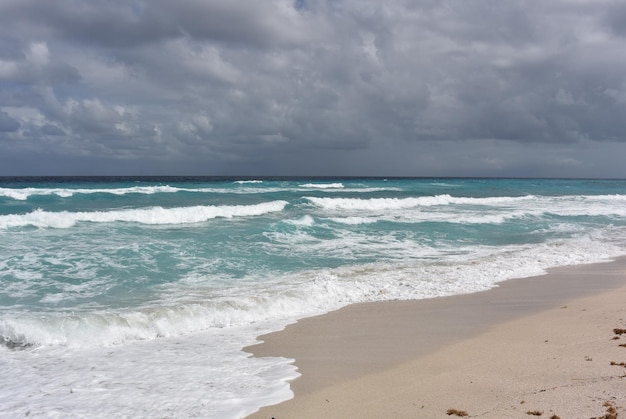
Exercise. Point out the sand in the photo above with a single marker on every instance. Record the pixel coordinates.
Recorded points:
(535, 345)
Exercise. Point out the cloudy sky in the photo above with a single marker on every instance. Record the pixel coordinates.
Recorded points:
(313, 87)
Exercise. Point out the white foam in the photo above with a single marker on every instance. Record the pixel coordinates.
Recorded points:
(181, 377)
(154, 215)
(323, 185)
(354, 220)
(24, 193)
(380, 204)
(445, 208)
(305, 220)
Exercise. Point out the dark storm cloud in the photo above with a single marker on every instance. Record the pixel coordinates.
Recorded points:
(317, 87)
(123, 24)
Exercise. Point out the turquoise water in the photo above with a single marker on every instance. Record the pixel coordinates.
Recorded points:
(141, 266)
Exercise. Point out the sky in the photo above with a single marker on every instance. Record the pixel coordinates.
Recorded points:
(313, 87)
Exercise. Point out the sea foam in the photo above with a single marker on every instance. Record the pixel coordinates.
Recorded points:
(155, 215)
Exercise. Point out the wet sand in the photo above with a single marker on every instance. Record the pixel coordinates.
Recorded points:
(542, 344)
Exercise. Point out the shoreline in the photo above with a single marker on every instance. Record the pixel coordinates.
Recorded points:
(374, 359)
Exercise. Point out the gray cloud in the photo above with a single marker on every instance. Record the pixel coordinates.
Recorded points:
(315, 86)
(8, 124)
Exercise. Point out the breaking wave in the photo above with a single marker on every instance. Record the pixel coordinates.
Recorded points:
(154, 215)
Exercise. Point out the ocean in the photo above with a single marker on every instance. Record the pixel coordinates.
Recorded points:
(133, 297)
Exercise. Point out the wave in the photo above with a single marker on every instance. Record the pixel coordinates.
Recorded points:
(617, 198)
(460, 210)
(305, 221)
(354, 220)
(379, 204)
(154, 215)
(110, 328)
(323, 185)
(402, 203)
(23, 194)
(307, 293)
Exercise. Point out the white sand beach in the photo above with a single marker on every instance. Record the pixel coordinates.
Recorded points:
(542, 346)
